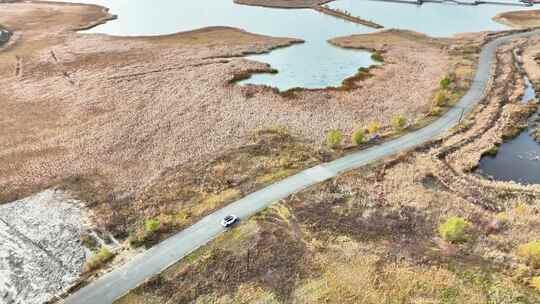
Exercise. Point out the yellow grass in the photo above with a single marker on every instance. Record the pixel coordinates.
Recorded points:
(274, 176)
(361, 281)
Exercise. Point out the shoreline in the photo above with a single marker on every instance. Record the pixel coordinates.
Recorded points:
(519, 19)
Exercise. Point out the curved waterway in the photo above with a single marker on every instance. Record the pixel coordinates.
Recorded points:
(314, 64)
(519, 158)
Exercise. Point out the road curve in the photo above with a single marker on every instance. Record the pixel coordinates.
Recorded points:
(118, 282)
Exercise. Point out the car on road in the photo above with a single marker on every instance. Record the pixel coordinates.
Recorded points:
(229, 220)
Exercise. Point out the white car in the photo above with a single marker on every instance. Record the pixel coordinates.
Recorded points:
(229, 220)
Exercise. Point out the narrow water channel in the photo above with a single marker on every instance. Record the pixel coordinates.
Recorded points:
(314, 64)
(519, 158)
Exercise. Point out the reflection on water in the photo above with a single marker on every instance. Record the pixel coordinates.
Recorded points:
(314, 64)
(518, 159)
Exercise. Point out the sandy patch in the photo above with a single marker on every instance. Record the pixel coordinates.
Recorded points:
(41, 253)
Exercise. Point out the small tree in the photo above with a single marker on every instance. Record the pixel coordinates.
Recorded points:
(98, 260)
(399, 122)
(530, 252)
(444, 83)
(333, 139)
(358, 136)
(440, 98)
(373, 127)
(151, 225)
(454, 230)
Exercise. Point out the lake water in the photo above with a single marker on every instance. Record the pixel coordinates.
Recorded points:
(519, 158)
(434, 19)
(314, 64)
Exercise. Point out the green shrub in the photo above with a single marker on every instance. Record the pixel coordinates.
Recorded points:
(530, 252)
(98, 260)
(440, 98)
(147, 234)
(333, 139)
(373, 127)
(444, 83)
(152, 225)
(454, 230)
(398, 123)
(358, 137)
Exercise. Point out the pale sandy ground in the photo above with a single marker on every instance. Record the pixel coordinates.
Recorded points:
(40, 252)
(125, 109)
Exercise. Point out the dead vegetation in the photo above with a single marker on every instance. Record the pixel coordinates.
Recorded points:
(182, 195)
(149, 169)
(519, 19)
(77, 114)
(377, 229)
(380, 228)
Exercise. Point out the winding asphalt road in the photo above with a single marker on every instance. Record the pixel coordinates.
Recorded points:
(153, 261)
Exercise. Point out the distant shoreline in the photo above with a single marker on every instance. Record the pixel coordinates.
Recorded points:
(292, 4)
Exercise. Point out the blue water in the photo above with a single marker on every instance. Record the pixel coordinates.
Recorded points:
(433, 19)
(519, 158)
(314, 64)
